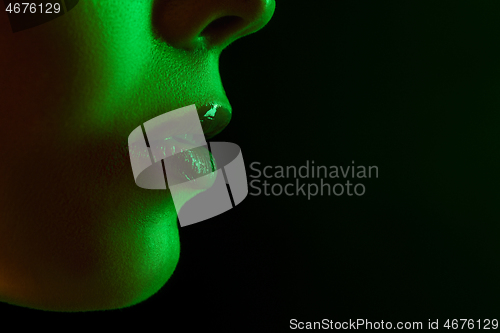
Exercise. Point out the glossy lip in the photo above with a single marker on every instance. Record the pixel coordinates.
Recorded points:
(188, 165)
(213, 118)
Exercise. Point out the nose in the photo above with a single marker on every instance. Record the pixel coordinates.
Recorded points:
(196, 24)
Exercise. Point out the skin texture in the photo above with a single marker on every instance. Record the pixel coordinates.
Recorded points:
(76, 233)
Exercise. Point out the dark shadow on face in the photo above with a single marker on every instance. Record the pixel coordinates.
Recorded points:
(76, 233)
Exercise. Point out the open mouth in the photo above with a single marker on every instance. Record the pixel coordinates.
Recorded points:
(178, 140)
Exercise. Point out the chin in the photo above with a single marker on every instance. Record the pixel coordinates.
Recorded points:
(111, 262)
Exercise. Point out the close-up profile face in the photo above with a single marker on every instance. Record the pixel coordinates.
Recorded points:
(76, 232)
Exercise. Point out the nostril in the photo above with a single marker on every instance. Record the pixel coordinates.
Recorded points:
(208, 25)
(222, 27)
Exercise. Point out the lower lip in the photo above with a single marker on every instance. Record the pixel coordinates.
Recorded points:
(191, 167)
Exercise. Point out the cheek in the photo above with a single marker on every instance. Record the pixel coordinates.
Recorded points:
(92, 241)
(69, 215)
(33, 77)
(39, 70)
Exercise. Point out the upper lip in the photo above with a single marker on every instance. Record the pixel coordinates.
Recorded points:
(214, 118)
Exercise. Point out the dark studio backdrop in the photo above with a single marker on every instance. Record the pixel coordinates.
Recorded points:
(410, 87)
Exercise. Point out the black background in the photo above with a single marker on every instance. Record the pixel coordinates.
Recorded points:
(411, 87)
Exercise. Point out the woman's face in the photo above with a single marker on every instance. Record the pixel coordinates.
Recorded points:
(76, 232)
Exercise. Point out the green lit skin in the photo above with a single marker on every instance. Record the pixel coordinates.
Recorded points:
(76, 233)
